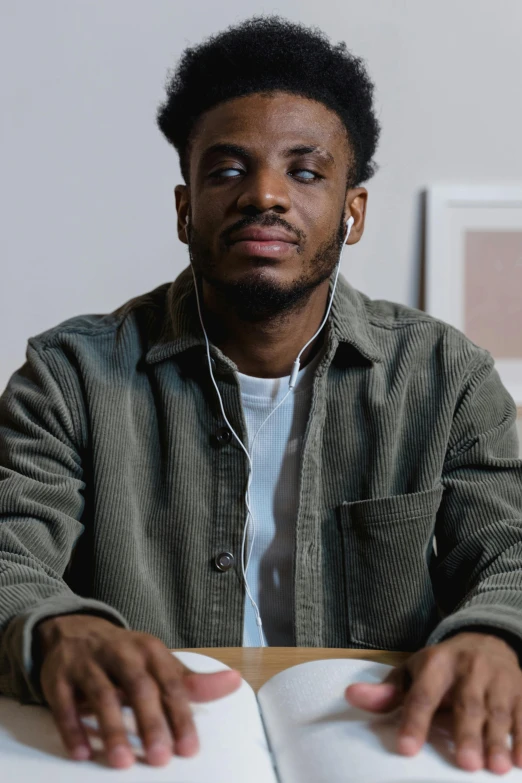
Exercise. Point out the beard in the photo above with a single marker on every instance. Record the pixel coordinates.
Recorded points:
(258, 298)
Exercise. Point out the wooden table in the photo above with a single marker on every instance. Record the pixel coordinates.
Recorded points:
(258, 664)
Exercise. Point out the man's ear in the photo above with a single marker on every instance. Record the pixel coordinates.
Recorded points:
(355, 205)
(182, 195)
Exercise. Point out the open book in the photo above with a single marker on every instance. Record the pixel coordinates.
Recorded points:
(299, 729)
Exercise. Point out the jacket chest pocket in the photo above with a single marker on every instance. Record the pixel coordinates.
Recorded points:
(387, 544)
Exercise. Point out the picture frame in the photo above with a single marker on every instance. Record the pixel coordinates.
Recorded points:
(473, 273)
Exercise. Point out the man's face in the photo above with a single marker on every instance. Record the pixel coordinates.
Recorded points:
(273, 161)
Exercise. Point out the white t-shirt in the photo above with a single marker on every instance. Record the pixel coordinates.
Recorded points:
(274, 495)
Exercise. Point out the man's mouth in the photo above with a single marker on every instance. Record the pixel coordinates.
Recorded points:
(269, 247)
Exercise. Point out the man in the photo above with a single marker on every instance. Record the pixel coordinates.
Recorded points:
(126, 450)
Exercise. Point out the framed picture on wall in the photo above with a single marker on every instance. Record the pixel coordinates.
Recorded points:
(474, 269)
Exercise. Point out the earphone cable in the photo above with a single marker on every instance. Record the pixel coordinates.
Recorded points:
(293, 378)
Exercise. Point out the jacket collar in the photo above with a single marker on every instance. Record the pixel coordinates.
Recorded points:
(181, 329)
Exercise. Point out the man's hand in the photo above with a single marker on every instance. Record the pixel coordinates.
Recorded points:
(478, 677)
(88, 662)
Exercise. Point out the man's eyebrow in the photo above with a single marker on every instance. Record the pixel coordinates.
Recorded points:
(307, 149)
(237, 149)
(226, 149)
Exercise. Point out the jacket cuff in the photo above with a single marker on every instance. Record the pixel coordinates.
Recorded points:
(502, 621)
(23, 680)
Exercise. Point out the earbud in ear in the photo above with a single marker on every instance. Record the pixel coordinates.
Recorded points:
(187, 219)
(349, 223)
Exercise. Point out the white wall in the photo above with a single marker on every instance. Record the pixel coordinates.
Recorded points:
(86, 179)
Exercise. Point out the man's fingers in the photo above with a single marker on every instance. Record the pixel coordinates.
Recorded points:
(177, 685)
(179, 713)
(62, 704)
(517, 733)
(469, 715)
(181, 719)
(210, 686)
(105, 704)
(421, 702)
(378, 697)
(143, 692)
(153, 726)
(169, 673)
(89, 664)
(499, 707)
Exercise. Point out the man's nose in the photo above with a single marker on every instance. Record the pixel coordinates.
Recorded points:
(265, 189)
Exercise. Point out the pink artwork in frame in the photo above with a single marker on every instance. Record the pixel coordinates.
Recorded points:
(474, 270)
(493, 291)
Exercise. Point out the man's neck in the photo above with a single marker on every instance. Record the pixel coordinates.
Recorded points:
(267, 349)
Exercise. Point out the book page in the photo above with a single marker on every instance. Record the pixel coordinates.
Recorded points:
(317, 737)
(233, 746)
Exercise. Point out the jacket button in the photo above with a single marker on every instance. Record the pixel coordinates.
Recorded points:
(223, 436)
(224, 561)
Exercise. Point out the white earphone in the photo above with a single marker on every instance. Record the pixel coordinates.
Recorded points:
(249, 455)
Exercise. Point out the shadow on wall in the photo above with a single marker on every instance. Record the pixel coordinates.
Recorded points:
(420, 248)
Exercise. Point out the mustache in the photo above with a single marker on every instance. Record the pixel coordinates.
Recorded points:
(267, 222)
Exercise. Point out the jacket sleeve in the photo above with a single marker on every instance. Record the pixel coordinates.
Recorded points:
(477, 578)
(41, 504)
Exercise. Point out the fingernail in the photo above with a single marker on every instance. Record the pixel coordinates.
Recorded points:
(81, 753)
(408, 745)
(471, 758)
(120, 756)
(158, 753)
(187, 745)
(501, 762)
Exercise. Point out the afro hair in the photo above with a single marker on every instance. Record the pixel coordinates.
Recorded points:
(264, 54)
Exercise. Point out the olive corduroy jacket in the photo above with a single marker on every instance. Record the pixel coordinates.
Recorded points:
(116, 495)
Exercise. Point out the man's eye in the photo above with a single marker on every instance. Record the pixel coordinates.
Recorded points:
(312, 174)
(230, 173)
(221, 172)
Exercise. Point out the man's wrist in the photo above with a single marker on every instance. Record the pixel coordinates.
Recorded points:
(511, 639)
